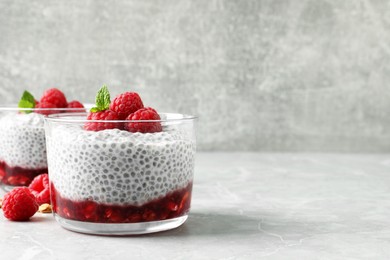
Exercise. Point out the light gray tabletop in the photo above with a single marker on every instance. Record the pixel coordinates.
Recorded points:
(246, 206)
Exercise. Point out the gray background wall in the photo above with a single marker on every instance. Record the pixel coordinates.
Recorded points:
(262, 75)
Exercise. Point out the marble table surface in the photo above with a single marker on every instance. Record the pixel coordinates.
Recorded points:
(246, 206)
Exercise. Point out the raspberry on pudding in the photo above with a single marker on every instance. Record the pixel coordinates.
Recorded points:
(135, 174)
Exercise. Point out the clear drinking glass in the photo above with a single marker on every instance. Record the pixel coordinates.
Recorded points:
(115, 182)
(22, 144)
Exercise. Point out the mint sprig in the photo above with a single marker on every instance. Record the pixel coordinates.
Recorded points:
(27, 101)
(102, 100)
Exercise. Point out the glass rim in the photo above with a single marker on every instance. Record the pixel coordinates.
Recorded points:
(14, 107)
(42, 109)
(67, 118)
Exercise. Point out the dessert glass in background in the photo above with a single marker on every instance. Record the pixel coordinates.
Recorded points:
(115, 182)
(22, 143)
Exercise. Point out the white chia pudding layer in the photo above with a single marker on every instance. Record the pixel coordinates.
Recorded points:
(22, 140)
(118, 167)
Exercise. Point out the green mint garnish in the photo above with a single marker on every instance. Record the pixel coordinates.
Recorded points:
(27, 101)
(102, 100)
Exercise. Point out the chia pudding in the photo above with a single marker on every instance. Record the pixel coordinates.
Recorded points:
(22, 147)
(116, 176)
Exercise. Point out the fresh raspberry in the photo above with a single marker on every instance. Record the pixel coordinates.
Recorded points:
(43, 197)
(147, 113)
(152, 109)
(19, 204)
(40, 182)
(126, 103)
(103, 116)
(46, 111)
(55, 97)
(75, 104)
(40, 188)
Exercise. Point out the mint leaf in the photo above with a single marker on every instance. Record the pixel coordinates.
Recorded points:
(27, 101)
(102, 100)
(95, 109)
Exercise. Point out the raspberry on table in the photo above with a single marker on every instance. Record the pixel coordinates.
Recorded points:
(126, 103)
(43, 196)
(147, 113)
(75, 104)
(103, 116)
(40, 188)
(54, 96)
(40, 182)
(19, 204)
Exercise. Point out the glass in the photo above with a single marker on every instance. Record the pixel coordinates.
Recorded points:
(22, 144)
(115, 182)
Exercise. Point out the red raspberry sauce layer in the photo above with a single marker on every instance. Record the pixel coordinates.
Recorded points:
(173, 205)
(18, 176)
